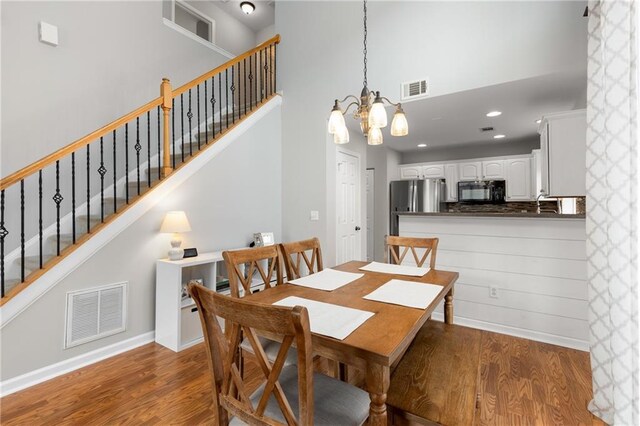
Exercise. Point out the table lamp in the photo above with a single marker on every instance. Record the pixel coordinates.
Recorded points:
(175, 223)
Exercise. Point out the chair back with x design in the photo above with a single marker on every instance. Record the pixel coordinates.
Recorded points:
(394, 244)
(294, 253)
(242, 264)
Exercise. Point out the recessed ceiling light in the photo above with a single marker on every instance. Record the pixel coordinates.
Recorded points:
(494, 113)
(422, 145)
(247, 7)
(538, 121)
(499, 136)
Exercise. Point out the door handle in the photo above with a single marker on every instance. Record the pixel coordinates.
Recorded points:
(357, 228)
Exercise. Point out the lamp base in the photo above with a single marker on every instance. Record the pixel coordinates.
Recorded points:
(176, 253)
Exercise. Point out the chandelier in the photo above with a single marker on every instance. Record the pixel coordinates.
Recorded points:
(369, 109)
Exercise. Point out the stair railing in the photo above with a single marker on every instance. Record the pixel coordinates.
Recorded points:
(97, 177)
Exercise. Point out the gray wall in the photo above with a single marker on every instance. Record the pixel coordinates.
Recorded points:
(458, 45)
(111, 59)
(462, 152)
(236, 194)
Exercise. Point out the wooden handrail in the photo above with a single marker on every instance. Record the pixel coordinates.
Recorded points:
(74, 146)
(274, 40)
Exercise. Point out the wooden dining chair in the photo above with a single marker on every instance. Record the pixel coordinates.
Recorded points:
(290, 394)
(394, 244)
(294, 253)
(241, 266)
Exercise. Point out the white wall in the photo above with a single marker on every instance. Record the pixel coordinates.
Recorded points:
(265, 34)
(236, 194)
(458, 45)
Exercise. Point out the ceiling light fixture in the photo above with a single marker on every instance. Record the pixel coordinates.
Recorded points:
(422, 145)
(499, 136)
(369, 109)
(494, 113)
(247, 7)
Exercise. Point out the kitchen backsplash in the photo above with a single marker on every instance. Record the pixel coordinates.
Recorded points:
(514, 207)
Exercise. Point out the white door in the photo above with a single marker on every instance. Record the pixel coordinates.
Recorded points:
(347, 208)
(471, 170)
(370, 210)
(493, 169)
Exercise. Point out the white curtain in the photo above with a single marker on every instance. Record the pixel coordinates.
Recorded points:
(612, 168)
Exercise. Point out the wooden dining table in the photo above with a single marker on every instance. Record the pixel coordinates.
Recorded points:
(379, 342)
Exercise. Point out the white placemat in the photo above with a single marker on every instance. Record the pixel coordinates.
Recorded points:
(406, 293)
(327, 279)
(388, 268)
(328, 319)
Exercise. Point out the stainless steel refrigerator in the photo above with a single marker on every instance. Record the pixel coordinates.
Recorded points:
(420, 195)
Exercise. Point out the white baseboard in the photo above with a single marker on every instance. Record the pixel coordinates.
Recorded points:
(43, 374)
(538, 336)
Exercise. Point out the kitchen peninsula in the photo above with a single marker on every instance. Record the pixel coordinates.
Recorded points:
(521, 273)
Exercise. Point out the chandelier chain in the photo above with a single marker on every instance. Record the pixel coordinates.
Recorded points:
(365, 43)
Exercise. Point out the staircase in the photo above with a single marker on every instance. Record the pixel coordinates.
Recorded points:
(51, 207)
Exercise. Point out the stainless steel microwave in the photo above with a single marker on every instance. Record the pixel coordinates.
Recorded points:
(482, 192)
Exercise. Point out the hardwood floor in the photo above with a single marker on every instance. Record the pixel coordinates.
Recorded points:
(521, 382)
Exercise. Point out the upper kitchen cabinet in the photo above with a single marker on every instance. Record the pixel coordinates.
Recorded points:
(563, 154)
(451, 176)
(410, 172)
(471, 170)
(433, 171)
(493, 169)
(518, 179)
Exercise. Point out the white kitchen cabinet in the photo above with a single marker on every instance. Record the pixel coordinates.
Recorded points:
(518, 179)
(410, 172)
(433, 171)
(451, 177)
(493, 169)
(470, 170)
(563, 154)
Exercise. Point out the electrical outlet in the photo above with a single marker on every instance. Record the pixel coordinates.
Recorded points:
(493, 292)
(314, 215)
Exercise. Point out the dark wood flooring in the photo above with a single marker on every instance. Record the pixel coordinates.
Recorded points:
(521, 382)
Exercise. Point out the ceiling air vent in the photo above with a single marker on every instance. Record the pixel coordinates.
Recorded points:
(415, 89)
(486, 129)
(96, 313)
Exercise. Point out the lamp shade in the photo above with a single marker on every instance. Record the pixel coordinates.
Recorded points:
(375, 136)
(336, 120)
(399, 125)
(341, 136)
(377, 114)
(175, 222)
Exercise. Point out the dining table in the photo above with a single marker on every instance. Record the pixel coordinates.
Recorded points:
(380, 342)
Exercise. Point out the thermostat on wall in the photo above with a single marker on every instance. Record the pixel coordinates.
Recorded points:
(48, 33)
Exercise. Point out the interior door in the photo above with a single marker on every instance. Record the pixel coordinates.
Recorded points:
(370, 210)
(347, 208)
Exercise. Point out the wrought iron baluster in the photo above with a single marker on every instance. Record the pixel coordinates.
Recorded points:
(126, 162)
(271, 69)
(115, 203)
(3, 235)
(190, 116)
(88, 191)
(267, 65)
(251, 82)
(220, 100)
(22, 265)
(138, 147)
(73, 197)
(102, 171)
(198, 111)
(206, 119)
(159, 148)
(233, 95)
(57, 198)
(261, 78)
(226, 95)
(40, 215)
(275, 64)
(182, 124)
(265, 68)
(173, 132)
(149, 149)
(244, 83)
(213, 107)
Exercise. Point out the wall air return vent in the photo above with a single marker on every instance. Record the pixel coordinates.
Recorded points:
(95, 313)
(486, 129)
(415, 89)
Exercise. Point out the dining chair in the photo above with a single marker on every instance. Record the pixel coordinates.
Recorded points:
(295, 252)
(291, 394)
(241, 266)
(393, 245)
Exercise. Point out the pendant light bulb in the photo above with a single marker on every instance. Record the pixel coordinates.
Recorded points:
(336, 119)
(399, 124)
(341, 136)
(377, 114)
(375, 136)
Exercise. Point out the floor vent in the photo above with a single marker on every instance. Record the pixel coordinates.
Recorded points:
(95, 313)
(415, 89)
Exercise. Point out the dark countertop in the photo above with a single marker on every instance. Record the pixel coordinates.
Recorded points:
(543, 215)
